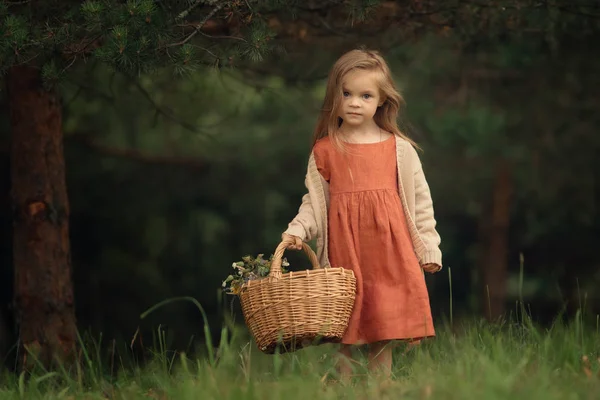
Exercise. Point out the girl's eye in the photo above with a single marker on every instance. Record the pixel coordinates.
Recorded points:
(346, 94)
(366, 96)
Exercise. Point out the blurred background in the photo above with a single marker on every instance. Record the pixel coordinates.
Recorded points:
(171, 180)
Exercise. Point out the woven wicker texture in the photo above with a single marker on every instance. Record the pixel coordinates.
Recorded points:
(296, 309)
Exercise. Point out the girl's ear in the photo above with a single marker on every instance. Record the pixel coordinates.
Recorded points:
(382, 102)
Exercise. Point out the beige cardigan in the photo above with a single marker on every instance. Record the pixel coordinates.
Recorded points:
(311, 220)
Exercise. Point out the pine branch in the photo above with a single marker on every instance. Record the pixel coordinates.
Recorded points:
(216, 57)
(186, 12)
(135, 36)
(223, 37)
(109, 98)
(164, 112)
(200, 24)
(82, 47)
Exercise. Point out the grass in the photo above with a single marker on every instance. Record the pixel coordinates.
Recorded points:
(477, 361)
(469, 360)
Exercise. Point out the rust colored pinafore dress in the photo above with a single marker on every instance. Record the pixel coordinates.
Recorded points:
(368, 233)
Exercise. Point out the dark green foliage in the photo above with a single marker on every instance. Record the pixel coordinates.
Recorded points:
(360, 10)
(139, 36)
(135, 37)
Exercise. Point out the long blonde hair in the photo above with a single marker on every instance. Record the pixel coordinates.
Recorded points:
(386, 115)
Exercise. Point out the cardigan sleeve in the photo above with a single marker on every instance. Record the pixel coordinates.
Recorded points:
(304, 224)
(424, 217)
(321, 161)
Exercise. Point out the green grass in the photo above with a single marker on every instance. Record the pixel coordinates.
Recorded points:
(477, 361)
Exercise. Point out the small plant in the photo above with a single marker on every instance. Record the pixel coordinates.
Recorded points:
(250, 268)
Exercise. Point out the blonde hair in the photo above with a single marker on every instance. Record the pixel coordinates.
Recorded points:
(386, 115)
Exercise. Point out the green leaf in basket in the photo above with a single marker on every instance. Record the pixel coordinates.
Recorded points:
(250, 268)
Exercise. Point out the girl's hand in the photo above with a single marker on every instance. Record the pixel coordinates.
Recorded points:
(297, 242)
(431, 268)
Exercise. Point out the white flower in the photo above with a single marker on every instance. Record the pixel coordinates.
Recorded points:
(224, 284)
(234, 265)
(285, 263)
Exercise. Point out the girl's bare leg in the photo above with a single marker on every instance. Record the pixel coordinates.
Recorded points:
(380, 358)
(344, 365)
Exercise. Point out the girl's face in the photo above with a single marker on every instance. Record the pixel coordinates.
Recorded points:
(360, 98)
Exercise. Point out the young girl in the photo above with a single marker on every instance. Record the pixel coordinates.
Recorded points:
(369, 207)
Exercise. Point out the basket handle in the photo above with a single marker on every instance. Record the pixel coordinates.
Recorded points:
(277, 257)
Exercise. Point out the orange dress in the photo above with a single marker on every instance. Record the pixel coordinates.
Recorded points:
(368, 233)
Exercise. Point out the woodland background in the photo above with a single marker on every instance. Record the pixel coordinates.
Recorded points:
(172, 178)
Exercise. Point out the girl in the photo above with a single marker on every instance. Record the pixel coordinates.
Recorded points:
(369, 207)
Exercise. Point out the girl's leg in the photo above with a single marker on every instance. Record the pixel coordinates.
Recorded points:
(344, 364)
(412, 344)
(380, 358)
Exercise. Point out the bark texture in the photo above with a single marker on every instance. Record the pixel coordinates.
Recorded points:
(43, 287)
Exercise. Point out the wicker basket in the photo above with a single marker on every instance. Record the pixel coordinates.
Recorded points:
(290, 311)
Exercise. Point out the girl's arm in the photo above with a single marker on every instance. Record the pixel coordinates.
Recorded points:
(304, 224)
(424, 217)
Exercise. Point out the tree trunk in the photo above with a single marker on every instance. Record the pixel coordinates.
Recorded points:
(44, 306)
(494, 269)
(4, 337)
